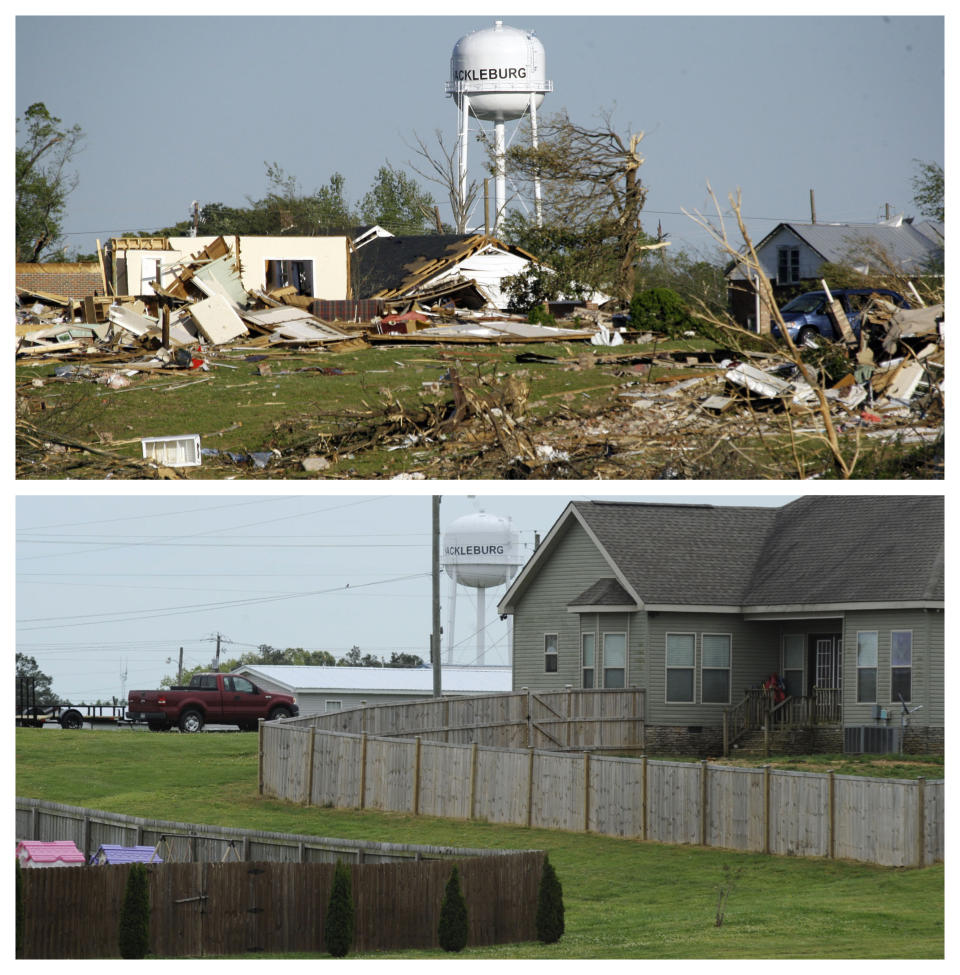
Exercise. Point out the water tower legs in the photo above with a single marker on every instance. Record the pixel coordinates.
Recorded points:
(500, 152)
(464, 140)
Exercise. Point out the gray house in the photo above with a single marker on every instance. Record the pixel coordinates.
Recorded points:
(792, 255)
(821, 619)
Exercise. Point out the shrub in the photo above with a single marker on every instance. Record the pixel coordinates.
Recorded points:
(452, 930)
(338, 926)
(661, 310)
(549, 905)
(134, 935)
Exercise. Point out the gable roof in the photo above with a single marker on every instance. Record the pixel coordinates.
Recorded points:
(910, 245)
(114, 853)
(49, 851)
(812, 551)
(390, 267)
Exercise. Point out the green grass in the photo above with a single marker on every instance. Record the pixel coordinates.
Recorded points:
(623, 898)
(311, 401)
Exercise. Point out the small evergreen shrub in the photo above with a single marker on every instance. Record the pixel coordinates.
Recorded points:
(134, 935)
(452, 930)
(549, 905)
(338, 926)
(661, 310)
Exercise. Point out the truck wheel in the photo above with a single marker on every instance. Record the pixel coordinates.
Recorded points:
(71, 720)
(191, 721)
(279, 713)
(808, 336)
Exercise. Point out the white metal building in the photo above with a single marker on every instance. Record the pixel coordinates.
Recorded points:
(320, 690)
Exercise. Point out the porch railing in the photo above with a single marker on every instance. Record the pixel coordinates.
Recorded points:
(758, 710)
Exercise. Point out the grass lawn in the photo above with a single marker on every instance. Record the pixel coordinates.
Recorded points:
(623, 898)
(377, 412)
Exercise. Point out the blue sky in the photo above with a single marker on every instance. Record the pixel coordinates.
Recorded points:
(190, 108)
(107, 582)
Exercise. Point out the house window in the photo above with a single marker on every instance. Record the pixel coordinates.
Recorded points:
(681, 654)
(588, 658)
(332, 705)
(901, 664)
(550, 643)
(614, 659)
(788, 265)
(793, 646)
(715, 668)
(867, 666)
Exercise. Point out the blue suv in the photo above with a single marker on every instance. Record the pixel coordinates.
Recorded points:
(806, 315)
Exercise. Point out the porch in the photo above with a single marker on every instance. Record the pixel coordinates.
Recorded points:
(759, 711)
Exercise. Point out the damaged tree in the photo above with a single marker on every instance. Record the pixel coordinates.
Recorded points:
(592, 200)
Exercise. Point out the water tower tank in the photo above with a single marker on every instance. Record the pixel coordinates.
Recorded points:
(480, 550)
(499, 67)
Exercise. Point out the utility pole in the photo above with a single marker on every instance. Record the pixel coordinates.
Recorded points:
(813, 209)
(180, 668)
(217, 667)
(435, 637)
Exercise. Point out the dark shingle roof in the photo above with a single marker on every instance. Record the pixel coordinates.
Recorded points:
(604, 592)
(814, 550)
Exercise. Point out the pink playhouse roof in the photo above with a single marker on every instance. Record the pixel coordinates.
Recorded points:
(51, 851)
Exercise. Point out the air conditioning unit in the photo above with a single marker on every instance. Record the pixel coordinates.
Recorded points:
(871, 740)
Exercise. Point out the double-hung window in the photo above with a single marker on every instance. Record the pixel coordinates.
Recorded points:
(901, 664)
(788, 265)
(681, 659)
(614, 659)
(588, 658)
(715, 668)
(867, 666)
(550, 654)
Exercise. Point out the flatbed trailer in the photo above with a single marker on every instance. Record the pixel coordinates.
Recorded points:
(72, 716)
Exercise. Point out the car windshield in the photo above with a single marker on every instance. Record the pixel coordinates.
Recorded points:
(806, 303)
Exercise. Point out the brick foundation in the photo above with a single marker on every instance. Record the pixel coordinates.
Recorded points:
(923, 741)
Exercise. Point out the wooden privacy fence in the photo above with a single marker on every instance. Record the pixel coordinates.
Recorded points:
(892, 822)
(577, 719)
(38, 819)
(199, 909)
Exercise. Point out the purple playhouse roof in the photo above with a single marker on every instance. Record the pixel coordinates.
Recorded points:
(50, 851)
(112, 853)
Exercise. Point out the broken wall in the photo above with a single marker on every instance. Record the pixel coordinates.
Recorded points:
(328, 257)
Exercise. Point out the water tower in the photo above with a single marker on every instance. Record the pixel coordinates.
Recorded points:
(497, 75)
(480, 551)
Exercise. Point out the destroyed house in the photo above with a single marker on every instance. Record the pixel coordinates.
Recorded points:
(316, 267)
(466, 269)
(792, 256)
(820, 621)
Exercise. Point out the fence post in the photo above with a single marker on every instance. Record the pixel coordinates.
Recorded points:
(921, 826)
(530, 788)
(586, 792)
(473, 779)
(363, 769)
(260, 756)
(831, 815)
(643, 797)
(529, 718)
(416, 776)
(309, 776)
(703, 802)
(766, 808)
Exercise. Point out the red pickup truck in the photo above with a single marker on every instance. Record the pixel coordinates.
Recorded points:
(209, 699)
